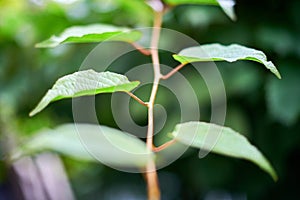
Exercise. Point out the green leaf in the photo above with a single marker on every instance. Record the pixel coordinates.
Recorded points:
(231, 53)
(84, 83)
(226, 5)
(221, 140)
(91, 33)
(89, 142)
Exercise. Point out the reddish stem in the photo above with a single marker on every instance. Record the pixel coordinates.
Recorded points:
(171, 73)
(164, 146)
(141, 49)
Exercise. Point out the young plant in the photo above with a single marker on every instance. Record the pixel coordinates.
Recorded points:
(89, 82)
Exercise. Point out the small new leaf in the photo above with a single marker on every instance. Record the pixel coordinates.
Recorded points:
(221, 140)
(91, 33)
(218, 52)
(226, 5)
(89, 142)
(84, 83)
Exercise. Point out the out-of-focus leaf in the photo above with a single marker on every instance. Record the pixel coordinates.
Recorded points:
(283, 96)
(218, 52)
(84, 83)
(90, 142)
(91, 33)
(135, 13)
(226, 5)
(221, 140)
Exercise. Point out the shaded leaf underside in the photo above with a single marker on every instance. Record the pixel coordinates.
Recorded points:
(221, 140)
(90, 143)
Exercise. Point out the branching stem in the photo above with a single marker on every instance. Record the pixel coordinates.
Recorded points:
(151, 174)
(152, 179)
(164, 146)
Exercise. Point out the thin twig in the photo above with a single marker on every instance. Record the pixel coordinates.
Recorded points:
(137, 99)
(164, 146)
(171, 73)
(141, 49)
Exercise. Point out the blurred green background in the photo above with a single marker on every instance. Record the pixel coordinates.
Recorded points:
(262, 107)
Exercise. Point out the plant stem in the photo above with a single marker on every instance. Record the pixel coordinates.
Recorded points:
(171, 73)
(137, 99)
(164, 146)
(151, 175)
(141, 49)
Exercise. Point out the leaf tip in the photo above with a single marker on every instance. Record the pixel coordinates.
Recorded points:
(233, 18)
(278, 75)
(275, 177)
(276, 72)
(228, 8)
(46, 44)
(136, 82)
(41, 44)
(273, 174)
(32, 113)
